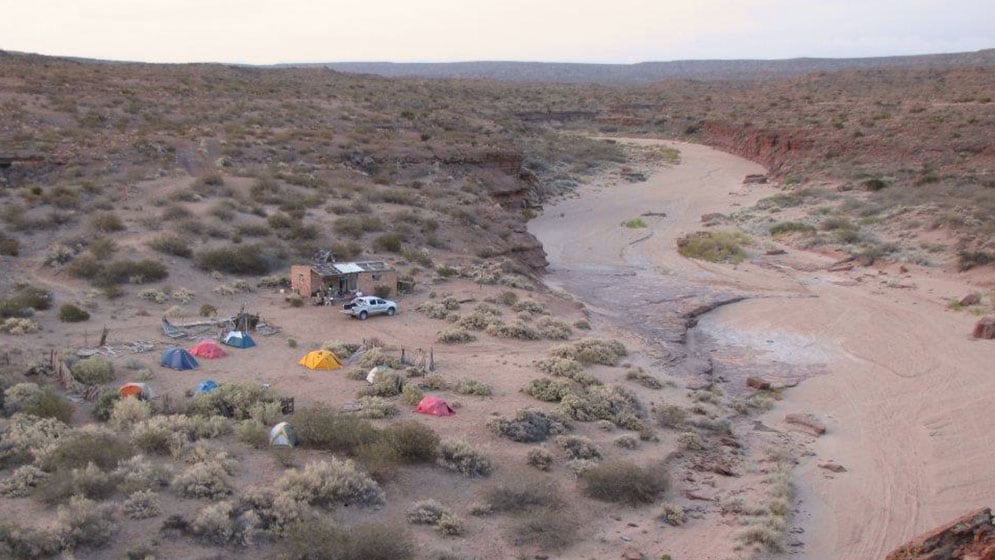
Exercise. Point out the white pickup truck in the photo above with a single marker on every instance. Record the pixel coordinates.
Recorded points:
(363, 307)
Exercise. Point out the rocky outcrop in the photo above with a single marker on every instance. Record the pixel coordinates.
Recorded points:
(985, 328)
(806, 421)
(774, 149)
(970, 536)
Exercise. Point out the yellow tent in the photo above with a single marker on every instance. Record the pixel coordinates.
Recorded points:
(320, 359)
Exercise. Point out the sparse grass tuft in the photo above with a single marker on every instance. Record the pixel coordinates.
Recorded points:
(620, 481)
(714, 246)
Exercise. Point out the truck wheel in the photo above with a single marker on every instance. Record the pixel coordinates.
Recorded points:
(362, 315)
(391, 311)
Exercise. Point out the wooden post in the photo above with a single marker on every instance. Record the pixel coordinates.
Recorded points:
(403, 362)
(103, 337)
(431, 358)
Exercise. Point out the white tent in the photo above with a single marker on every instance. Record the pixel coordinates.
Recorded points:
(282, 435)
(374, 374)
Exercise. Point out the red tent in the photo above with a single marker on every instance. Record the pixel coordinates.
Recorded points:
(208, 348)
(434, 406)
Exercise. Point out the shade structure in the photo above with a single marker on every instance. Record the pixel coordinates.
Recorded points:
(320, 359)
(206, 386)
(239, 339)
(136, 390)
(434, 406)
(208, 348)
(178, 358)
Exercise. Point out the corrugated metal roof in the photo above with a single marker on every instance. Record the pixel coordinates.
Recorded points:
(346, 268)
(337, 269)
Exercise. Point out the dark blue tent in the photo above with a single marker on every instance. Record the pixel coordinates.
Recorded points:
(178, 358)
(206, 386)
(239, 339)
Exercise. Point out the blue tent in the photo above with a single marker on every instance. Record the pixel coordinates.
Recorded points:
(239, 339)
(178, 358)
(206, 386)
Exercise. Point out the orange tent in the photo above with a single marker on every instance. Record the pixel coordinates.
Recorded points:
(137, 390)
(320, 359)
(208, 348)
(434, 406)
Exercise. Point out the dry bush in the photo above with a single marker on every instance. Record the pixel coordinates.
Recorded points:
(626, 442)
(143, 504)
(455, 335)
(172, 244)
(253, 433)
(128, 412)
(89, 481)
(605, 402)
(234, 259)
(411, 395)
(411, 441)
(161, 435)
(550, 390)
(431, 512)
(376, 356)
(385, 384)
(579, 447)
(342, 350)
(25, 543)
(435, 309)
(25, 437)
(592, 351)
(140, 473)
(83, 522)
(672, 514)
(238, 400)
(620, 481)
(644, 379)
(518, 330)
(528, 426)
(22, 482)
(315, 540)
(545, 529)
(24, 301)
(540, 459)
(582, 324)
(206, 479)
(562, 367)
(222, 524)
(84, 446)
(377, 408)
(153, 295)
(321, 427)
(326, 484)
(69, 313)
(106, 223)
(714, 246)
(529, 306)
(459, 456)
(671, 416)
(553, 329)
(480, 318)
(16, 326)
(467, 386)
(94, 370)
(524, 493)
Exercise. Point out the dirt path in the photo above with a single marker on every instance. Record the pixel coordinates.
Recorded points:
(905, 391)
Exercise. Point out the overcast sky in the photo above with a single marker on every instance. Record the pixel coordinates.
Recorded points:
(618, 31)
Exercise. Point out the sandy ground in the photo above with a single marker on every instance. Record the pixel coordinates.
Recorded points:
(903, 390)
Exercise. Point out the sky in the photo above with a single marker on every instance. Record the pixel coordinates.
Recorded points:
(605, 31)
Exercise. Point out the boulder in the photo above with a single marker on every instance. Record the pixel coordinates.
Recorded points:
(970, 536)
(630, 553)
(970, 299)
(807, 421)
(985, 328)
(758, 383)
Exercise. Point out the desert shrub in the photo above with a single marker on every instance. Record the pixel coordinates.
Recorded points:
(25, 437)
(142, 504)
(592, 351)
(480, 318)
(459, 456)
(69, 313)
(24, 301)
(410, 441)
(553, 329)
(714, 246)
(691, 440)
(467, 386)
(540, 459)
(644, 379)
(235, 259)
(127, 271)
(518, 330)
(83, 522)
(550, 390)
(321, 427)
(129, 412)
(315, 540)
(160, 435)
(49, 404)
(139, 473)
(782, 228)
(89, 481)
(19, 396)
(563, 367)
(238, 400)
(153, 295)
(672, 514)
(528, 426)
(205, 479)
(508, 298)
(450, 525)
(81, 447)
(9, 246)
(966, 260)
(579, 447)
(25, 543)
(22, 481)
(671, 416)
(106, 223)
(390, 242)
(524, 493)
(19, 326)
(529, 306)
(411, 394)
(385, 384)
(221, 524)
(455, 335)
(426, 512)
(545, 529)
(376, 356)
(342, 350)
(252, 432)
(329, 483)
(604, 402)
(626, 442)
(582, 324)
(376, 408)
(620, 481)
